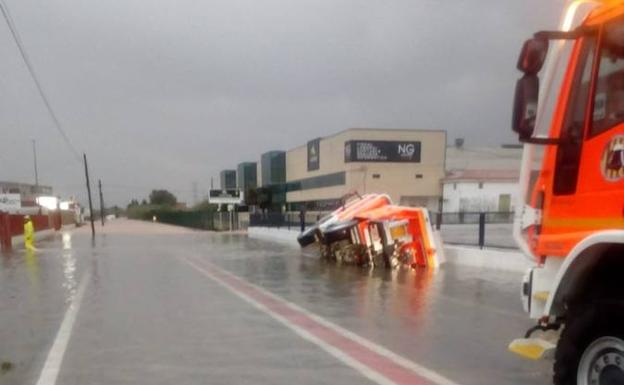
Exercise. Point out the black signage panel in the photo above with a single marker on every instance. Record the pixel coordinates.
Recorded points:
(314, 156)
(225, 193)
(382, 151)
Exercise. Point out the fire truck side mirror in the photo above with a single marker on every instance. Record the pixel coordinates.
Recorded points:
(533, 55)
(525, 106)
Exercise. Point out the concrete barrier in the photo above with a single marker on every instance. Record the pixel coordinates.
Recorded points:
(274, 234)
(498, 259)
(490, 258)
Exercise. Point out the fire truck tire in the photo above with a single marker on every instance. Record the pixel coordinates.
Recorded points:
(591, 346)
(308, 237)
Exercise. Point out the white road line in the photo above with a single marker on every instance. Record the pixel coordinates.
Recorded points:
(405, 362)
(52, 366)
(368, 372)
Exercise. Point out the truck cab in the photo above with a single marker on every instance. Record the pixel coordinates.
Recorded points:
(569, 112)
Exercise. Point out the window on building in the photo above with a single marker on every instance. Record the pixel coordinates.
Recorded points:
(480, 185)
(419, 176)
(376, 176)
(328, 180)
(454, 186)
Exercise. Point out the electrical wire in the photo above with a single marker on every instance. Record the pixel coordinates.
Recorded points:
(33, 74)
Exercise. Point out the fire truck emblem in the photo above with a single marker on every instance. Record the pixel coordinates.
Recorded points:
(613, 159)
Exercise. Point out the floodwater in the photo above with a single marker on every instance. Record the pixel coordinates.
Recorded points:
(155, 304)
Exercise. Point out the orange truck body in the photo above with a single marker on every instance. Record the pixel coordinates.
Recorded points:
(408, 228)
(598, 202)
(347, 211)
(351, 233)
(570, 212)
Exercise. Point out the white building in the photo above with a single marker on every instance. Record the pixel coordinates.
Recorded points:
(480, 190)
(481, 179)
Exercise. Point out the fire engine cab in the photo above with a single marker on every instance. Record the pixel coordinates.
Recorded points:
(569, 113)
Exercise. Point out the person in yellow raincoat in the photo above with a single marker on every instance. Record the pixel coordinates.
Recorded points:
(29, 233)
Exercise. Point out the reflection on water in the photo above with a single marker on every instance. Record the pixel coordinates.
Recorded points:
(32, 265)
(67, 241)
(69, 268)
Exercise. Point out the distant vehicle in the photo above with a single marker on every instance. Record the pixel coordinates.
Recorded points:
(571, 220)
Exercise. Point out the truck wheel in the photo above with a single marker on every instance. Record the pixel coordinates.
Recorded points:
(307, 237)
(591, 347)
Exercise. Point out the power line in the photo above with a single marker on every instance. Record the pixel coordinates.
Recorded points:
(46, 102)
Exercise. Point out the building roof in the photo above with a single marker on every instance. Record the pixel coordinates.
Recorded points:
(483, 158)
(483, 175)
(29, 188)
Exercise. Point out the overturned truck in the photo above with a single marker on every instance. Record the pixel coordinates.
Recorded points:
(369, 230)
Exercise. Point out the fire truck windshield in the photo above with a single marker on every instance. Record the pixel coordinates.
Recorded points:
(609, 94)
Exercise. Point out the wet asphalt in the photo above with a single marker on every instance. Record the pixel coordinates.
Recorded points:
(148, 317)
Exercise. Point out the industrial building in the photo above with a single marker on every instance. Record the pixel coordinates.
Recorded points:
(228, 179)
(407, 164)
(480, 190)
(415, 167)
(246, 176)
(272, 168)
(28, 192)
(481, 179)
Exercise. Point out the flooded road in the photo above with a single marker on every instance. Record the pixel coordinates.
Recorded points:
(155, 304)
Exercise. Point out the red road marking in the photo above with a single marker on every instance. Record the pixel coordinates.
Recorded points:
(385, 366)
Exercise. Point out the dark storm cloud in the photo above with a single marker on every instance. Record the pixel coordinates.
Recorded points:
(161, 94)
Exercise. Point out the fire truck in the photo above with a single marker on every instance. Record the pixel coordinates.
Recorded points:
(569, 113)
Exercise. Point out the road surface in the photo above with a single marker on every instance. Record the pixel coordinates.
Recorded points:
(155, 304)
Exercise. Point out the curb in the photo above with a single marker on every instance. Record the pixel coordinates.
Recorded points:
(487, 258)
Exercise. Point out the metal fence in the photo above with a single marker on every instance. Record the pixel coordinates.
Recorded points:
(204, 220)
(290, 220)
(489, 229)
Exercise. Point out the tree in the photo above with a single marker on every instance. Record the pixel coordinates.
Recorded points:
(206, 206)
(162, 198)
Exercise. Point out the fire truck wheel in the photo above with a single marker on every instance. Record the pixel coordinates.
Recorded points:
(591, 347)
(307, 237)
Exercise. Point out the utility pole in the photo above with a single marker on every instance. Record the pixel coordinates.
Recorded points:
(211, 183)
(84, 156)
(34, 147)
(101, 202)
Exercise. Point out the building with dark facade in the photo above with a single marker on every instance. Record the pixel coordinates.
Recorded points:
(228, 179)
(273, 168)
(247, 176)
(271, 172)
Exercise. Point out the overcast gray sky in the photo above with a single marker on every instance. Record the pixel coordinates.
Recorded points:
(163, 93)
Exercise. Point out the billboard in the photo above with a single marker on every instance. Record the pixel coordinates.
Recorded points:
(230, 197)
(382, 151)
(10, 202)
(314, 156)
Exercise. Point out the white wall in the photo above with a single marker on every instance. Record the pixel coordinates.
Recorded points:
(467, 196)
